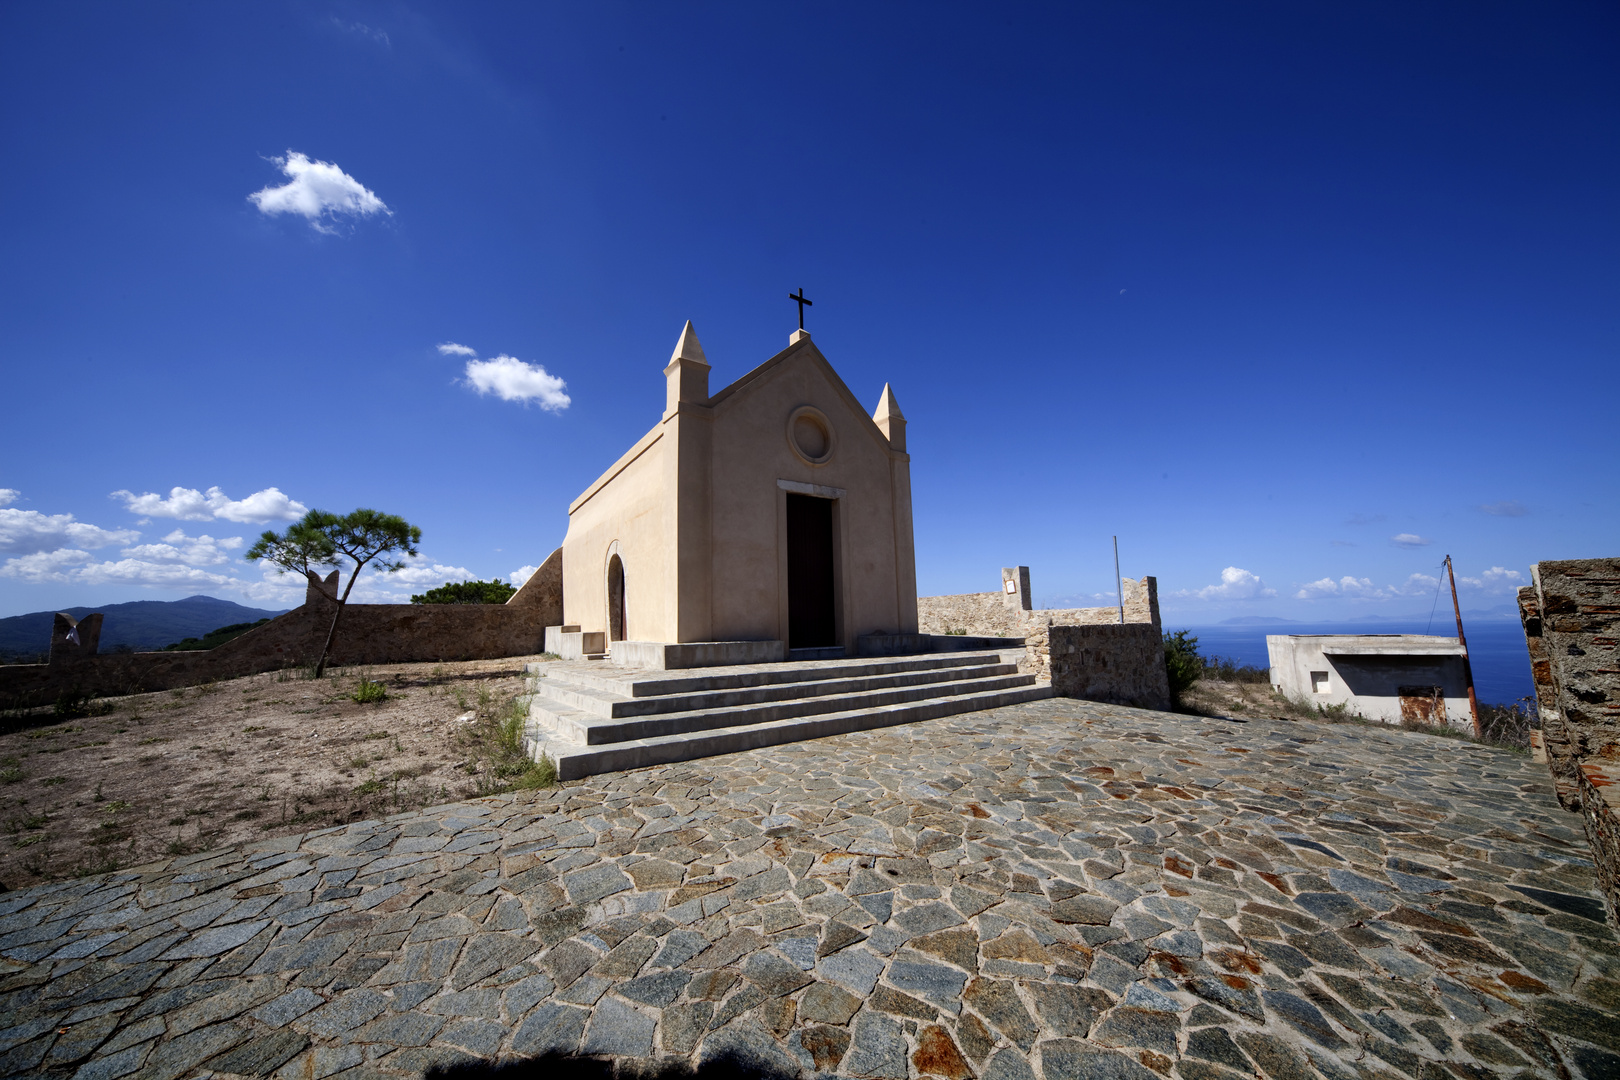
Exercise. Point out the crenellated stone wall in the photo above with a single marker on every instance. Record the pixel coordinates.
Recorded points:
(367, 634)
(1000, 614)
(1571, 617)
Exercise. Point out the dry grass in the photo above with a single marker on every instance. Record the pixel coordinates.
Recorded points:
(1505, 726)
(189, 770)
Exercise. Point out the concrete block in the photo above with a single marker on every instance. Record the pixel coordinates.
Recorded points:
(893, 644)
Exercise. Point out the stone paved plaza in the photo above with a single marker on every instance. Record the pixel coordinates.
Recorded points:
(1056, 889)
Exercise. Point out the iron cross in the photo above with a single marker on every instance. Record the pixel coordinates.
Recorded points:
(802, 303)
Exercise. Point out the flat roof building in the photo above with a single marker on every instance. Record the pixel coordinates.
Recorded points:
(1389, 678)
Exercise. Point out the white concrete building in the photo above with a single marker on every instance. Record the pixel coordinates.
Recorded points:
(1383, 677)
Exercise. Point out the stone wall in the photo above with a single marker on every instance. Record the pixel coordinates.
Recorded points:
(1120, 664)
(997, 614)
(367, 634)
(1571, 615)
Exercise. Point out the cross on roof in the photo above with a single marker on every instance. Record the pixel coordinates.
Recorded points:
(802, 304)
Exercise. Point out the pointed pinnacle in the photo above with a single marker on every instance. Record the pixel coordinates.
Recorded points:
(687, 348)
(887, 405)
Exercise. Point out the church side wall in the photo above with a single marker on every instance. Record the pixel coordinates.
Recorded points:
(632, 509)
(751, 454)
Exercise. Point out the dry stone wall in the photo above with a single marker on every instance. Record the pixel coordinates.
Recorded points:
(367, 634)
(1118, 664)
(1571, 616)
(992, 615)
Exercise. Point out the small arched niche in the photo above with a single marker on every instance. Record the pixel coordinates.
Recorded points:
(615, 597)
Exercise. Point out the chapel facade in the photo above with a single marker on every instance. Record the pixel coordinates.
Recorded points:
(774, 515)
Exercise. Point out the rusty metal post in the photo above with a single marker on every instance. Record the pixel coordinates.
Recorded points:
(1468, 668)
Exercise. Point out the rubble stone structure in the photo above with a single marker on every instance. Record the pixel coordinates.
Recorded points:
(1571, 615)
(367, 634)
(1010, 613)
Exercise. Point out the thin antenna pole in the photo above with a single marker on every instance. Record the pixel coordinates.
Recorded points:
(1468, 669)
(1119, 585)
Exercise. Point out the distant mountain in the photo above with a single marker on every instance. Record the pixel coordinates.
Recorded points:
(142, 625)
(1258, 620)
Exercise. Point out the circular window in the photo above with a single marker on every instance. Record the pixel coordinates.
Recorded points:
(810, 435)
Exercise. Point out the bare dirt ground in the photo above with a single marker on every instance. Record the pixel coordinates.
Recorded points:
(209, 766)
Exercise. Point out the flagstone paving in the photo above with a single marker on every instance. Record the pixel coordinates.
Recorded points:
(1054, 889)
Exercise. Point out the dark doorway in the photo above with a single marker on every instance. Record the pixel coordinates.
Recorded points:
(811, 624)
(615, 585)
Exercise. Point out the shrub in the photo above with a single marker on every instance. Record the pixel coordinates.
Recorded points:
(1182, 664)
(493, 591)
(368, 692)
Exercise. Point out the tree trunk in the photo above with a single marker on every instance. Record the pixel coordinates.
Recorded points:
(320, 665)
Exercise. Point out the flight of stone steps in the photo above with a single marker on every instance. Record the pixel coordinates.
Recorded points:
(593, 718)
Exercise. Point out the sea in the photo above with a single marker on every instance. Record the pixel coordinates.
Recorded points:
(1495, 647)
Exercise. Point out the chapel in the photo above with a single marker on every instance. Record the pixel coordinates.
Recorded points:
(770, 519)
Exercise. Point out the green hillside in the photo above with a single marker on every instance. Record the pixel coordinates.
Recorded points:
(141, 625)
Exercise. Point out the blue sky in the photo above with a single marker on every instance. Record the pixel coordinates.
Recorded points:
(1295, 299)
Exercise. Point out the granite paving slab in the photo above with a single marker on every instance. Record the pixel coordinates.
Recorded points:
(1052, 890)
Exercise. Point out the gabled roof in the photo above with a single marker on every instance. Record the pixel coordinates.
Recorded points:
(804, 349)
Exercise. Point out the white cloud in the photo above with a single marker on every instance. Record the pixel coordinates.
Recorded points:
(316, 190)
(1496, 579)
(521, 575)
(1354, 588)
(189, 504)
(1510, 508)
(142, 572)
(31, 531)
(9, 496)
(42, 566)
(1410, 540)
(513, 380)
(450, 348)
(1236, 584)
(177, 547)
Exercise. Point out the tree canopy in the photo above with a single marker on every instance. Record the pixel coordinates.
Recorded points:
(493, 591)
(322, 538)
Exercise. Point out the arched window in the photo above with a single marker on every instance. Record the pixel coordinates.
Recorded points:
(615, 598)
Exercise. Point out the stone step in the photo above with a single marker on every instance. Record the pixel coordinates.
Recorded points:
(627, 682)
(573, 725)
(575, 697)
(575, 760)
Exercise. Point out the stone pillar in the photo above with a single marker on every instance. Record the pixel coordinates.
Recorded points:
(1015, 587)
(74, 639)
(892, 422)
(689, 425)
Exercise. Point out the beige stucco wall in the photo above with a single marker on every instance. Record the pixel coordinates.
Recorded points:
(710, 563)
(625, 511)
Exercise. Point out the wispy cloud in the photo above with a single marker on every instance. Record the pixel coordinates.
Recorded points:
(361, 30)
(316, 191)
(1496, 579)
(511, 379)
(9, 496)
(1510, 508)
(1236, 584)
(189, 504)
(1410, 540)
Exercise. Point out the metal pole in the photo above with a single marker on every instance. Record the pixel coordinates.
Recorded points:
(1119, 585)
(1468, 668)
